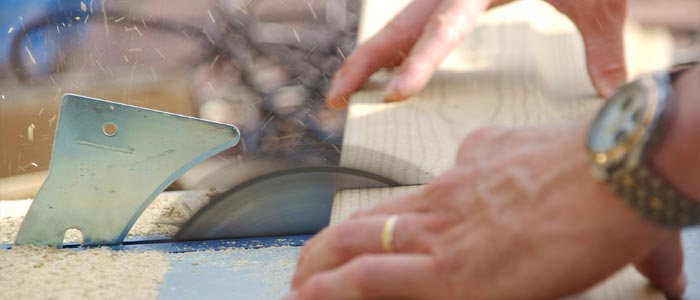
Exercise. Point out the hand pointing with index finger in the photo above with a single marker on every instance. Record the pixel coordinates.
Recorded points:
(423, 34)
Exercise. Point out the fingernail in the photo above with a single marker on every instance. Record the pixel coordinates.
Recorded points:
(678, 288)
(337, 103)
(393, 89)
(606, 90)
(290, 296)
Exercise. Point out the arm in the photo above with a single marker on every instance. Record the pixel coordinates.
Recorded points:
(678, 158)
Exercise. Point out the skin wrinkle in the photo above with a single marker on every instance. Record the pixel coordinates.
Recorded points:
(556, 234)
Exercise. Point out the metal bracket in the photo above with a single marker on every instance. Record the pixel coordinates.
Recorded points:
(109, 162)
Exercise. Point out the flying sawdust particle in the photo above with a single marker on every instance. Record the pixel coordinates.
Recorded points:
(31, 57)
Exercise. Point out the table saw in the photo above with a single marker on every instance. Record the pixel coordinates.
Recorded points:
(440, 116)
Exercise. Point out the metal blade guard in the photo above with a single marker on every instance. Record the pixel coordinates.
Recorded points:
(109, 162)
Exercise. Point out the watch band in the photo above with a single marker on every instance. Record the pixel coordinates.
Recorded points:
(653, 198)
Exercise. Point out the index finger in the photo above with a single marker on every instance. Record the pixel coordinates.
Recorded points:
(445, 30)
(386, 48)
(396, 276)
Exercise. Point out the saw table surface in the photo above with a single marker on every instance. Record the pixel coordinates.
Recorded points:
(524, 64)
(262, 268)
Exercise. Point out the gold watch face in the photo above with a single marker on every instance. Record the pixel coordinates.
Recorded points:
(620, 124)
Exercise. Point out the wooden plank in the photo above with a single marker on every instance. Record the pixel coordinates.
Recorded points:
(523, 64)
(348, 201)
(626, 284)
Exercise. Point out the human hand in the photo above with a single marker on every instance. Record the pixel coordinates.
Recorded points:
(423, 34)
(518, 217)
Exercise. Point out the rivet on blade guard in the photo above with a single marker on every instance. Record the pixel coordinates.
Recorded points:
(109, 129)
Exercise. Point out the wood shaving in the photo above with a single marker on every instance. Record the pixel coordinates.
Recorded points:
(48, 273)
(169, 211)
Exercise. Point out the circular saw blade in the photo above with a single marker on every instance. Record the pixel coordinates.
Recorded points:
(288, 202)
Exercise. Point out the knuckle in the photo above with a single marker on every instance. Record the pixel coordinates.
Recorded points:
(435, 188)
(580, 11)
(341, 240)
(395, 25)
(443, 185)
(610, 70)
(446, 26)
(482, 134)
(446, 267)
(474, 138)
(477, 138)
(466, 148)
(615, 8)
(445, 261)
(413, 239)
(359, 275)
(417, 64)
(360, 213)
(358, 61)
(354, 64)
(315, 287)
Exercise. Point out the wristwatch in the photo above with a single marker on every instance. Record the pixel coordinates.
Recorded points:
(621, 140)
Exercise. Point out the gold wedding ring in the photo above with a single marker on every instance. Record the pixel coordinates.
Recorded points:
(388, 233)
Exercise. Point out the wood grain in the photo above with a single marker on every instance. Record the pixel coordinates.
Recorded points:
(348, 201)
(523, 64)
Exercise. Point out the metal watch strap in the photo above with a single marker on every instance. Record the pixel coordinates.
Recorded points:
(652, 197)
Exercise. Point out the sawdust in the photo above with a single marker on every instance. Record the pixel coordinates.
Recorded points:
(169, 211)
(8, 229)
(269, 267)
(164, 216)
(47, 273)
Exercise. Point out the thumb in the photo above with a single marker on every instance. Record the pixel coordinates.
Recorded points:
(664, 268)
(601, 23)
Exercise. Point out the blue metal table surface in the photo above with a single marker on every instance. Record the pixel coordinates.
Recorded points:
(265, 273)
(262, 268)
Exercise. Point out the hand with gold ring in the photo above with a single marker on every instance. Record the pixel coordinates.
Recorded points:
(518, 217)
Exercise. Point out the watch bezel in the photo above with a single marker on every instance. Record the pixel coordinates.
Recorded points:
(633, 149)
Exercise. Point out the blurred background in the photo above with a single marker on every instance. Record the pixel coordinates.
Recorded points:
(263, 65)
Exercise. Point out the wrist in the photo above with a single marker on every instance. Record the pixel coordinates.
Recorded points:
(616, 210)
(644, 144)
(677, 157)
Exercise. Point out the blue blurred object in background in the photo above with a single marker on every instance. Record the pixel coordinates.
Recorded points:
(45, 43)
